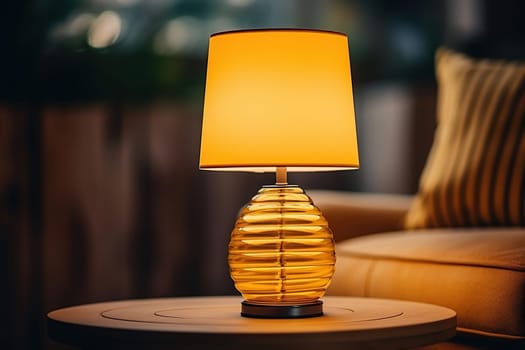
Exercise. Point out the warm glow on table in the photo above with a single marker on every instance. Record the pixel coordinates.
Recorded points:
(214, 323)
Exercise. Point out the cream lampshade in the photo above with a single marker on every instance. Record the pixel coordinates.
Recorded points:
(279, 100)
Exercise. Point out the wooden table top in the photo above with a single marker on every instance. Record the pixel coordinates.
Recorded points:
(215, 322)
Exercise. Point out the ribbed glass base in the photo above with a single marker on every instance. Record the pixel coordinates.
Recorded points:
(281, 251)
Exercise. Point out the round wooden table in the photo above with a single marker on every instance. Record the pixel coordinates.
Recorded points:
(215, 323)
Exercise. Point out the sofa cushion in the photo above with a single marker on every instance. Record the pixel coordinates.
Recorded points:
(352, 214)
(479, 273)
(475, 170)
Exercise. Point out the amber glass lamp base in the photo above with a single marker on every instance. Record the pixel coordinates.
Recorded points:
(281, 254)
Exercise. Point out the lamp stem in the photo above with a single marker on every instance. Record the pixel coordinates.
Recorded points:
(281, 176)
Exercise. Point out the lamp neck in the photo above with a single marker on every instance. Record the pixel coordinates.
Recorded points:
(281, 176)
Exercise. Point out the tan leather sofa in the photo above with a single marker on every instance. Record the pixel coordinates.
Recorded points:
(478, 272)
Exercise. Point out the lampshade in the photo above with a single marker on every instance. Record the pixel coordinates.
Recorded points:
(278, 97)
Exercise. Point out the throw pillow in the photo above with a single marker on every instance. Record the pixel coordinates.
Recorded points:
(475, 172)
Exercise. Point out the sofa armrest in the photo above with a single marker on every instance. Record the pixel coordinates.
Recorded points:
(352, 214)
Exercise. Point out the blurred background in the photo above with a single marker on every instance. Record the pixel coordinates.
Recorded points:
(100, 113)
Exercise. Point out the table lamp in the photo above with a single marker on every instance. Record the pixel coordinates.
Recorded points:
(279, 100)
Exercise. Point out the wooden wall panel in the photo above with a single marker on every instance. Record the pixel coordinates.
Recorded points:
(97, 202)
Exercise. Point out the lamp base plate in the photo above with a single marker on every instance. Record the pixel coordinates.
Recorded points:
(313, 309)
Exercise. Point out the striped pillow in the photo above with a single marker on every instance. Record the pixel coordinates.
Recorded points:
(475, 172)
